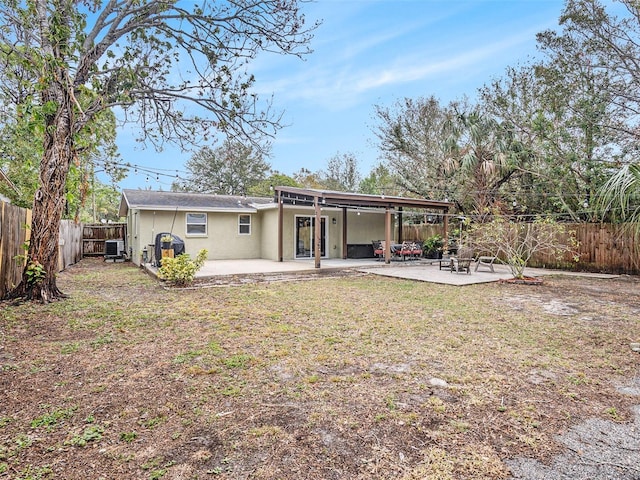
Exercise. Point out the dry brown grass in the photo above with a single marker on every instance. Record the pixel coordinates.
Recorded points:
(332, 378)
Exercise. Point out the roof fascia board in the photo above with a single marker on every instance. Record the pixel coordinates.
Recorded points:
(264, 206)
(357, 199)
(158, 208)
(324, 208)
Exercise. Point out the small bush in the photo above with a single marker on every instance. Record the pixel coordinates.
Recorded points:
(517, 242)
(181, 270)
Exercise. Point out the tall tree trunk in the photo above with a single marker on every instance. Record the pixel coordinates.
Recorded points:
(39, 283)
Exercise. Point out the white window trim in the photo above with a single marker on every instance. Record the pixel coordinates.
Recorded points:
(244, 224)
(206, 224)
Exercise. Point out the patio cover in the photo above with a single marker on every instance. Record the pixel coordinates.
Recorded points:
(347, 200)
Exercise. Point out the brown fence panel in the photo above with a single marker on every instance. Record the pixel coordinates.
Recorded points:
(13, 236)
(14, 232)
(70, 244)
(603, 248)
(419, 233)
(94, 235)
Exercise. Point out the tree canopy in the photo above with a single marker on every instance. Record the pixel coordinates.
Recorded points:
(146, 60)
(411, 138)
(607, 49)
(556, 136)
(342, 173)
(233, 168)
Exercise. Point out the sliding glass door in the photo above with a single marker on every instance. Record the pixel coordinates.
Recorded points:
(305, 234)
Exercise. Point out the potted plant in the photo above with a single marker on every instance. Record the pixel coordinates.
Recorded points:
(432, 247)
(165, 242)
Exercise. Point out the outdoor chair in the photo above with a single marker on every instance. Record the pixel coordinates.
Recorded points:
(485, 261)
(405, 250)
(408, 249)
(462, 261)
(459, 264)
(378, 249)
(416, 250)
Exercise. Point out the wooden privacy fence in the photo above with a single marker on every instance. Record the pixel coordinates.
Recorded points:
(95, 234)
(14, 232)
(602, 247)
(419, 233)
(70, 244)
(13, 236)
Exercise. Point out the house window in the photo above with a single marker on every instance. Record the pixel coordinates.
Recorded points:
(196, 223)
(244, 224)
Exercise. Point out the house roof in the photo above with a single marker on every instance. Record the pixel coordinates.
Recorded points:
(204, 202)
(306, 196)
(180, 201)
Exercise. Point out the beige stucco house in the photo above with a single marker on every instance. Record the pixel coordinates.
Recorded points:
(281, 227)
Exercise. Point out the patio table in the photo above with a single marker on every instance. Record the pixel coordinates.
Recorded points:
(445, 262)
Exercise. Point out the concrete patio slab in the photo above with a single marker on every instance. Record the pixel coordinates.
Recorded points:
(239, 267)
(433, 274)
(418, 270)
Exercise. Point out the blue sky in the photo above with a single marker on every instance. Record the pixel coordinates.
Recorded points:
(367, 53)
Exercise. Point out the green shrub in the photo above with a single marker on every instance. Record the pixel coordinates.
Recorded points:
(35, 273)
(432, 246)
(181, 270)
(517, 242)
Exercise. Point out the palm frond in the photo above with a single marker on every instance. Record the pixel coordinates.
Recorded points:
(621, 193)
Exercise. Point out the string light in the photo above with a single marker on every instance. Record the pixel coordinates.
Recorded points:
(172, 174)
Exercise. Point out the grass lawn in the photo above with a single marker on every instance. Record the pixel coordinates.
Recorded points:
(354, 377)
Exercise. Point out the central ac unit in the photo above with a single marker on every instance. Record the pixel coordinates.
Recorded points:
(114, 248)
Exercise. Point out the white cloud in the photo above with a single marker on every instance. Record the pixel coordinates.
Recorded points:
(337, 86)
(416, 68)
